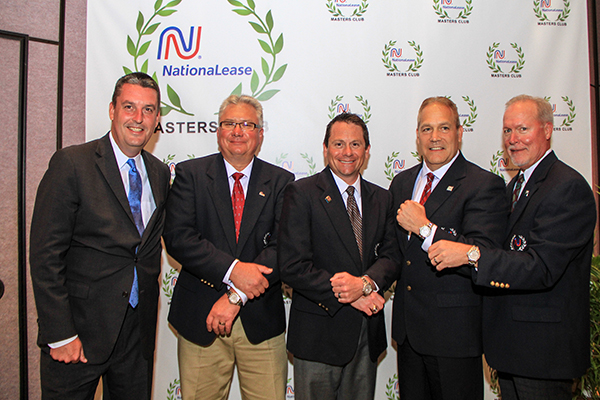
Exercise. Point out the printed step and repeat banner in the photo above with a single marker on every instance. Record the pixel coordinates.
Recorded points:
(310, 60)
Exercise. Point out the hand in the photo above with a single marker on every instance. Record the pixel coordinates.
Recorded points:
(411, 216)
(445, 254)
(249, 278)
(69, 353)
(221, 316)
(347, 288)
(370, 304)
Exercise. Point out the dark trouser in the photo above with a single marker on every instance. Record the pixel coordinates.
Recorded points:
(520, 388)
(126, 374)
(423, 377)
(353, 381)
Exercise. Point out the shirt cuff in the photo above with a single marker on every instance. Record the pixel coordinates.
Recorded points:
(429, 239)
(62, 342)
(243, 296)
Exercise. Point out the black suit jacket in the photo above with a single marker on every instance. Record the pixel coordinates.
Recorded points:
(440, 312)
(200, 234)
(315, 242)
(538, 325)
(83, 249)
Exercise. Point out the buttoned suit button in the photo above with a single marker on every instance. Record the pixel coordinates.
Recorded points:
(409, 288)
(492, 283)
(135, 260)
(125, 294)
(408, 262)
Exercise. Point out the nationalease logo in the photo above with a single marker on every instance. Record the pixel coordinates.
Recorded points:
(172, 37)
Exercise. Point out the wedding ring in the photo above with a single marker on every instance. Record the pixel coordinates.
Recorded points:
(435, 261)
(221, 323)
(339, 295)
(374, 309)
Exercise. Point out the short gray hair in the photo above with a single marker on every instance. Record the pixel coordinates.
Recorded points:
(243, 99)
(544, 109)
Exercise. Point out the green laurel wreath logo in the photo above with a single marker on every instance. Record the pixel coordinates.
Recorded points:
(389, 388)
(137, 50)
(542, 15)
(358, 12)
(490, 58)
(171, 395)
(494, 163)
(389, 173)
(392, 67)
(363, 102)
(464, 13)
(516, 68)
(571, 117)
(470, 120)
(416, 155)
(312, 167)
(439, 11)
(166, 283)
(271, 72)
(281, 158)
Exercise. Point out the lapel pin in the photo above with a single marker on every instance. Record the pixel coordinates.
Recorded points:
(328, 199)
(261, 193)
(527, 193)
(449, 188)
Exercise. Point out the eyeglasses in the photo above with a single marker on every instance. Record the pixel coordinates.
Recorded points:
(244, 125)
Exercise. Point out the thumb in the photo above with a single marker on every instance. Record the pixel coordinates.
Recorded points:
(264, 270)
(82, 357)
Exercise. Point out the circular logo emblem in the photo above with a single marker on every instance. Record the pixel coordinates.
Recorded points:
(518, 243)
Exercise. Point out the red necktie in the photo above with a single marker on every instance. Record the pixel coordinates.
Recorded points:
(237, 198)
(427, 189)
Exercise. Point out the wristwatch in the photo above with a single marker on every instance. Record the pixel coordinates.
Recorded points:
(425, 230)
(473, 255)
(234, 298)
(367, 287)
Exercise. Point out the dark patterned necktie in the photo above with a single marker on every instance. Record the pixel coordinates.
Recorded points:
(516, 191)
(135, 203)
(237, 199)
(427, 189)
(355, 219)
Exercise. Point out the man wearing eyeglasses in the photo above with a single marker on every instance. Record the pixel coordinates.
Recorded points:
(222, 217)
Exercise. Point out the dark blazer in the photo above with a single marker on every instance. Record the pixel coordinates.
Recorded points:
(200, 234)
(83, 250)
(440, 312)
(538, 325)
(315, 242)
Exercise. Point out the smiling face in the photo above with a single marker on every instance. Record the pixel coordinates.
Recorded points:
(526, 138)
(345, 151)
(134, 117)
(438, 138)
(238, 147)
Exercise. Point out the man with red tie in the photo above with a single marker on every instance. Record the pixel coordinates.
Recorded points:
(221, 225)
(436, 318)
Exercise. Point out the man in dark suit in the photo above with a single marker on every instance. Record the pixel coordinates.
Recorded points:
(95, 254)
(437, 317)
(336, 250)
(536, 320)
(227, 307)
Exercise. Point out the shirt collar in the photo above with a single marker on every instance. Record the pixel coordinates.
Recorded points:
(342, 186)
(120, 156)
(529, 171)
(441, 171)
(231, 170)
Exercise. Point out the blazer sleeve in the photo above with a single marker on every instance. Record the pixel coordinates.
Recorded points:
(52, 226)
(485, 212)
(556, 226)
(295, 251)
(184, 237)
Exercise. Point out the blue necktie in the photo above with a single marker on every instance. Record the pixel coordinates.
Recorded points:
(135, 203)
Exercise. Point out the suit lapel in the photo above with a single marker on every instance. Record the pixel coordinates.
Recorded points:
(218, 188)
(257, 196)
(450, 182)
(157, 187)
(370, 211)
(533, 183)
(332, 202)
(107, 164)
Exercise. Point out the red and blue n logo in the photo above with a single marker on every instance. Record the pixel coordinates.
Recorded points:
(396, 53)
(499, 54)
(173, 37)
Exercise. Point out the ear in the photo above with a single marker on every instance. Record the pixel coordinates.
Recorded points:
(460, 134)
(548, 128)
(111, 111)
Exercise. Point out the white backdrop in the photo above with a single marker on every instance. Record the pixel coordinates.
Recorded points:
(308, 60)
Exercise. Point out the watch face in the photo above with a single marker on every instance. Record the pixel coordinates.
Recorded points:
(425, 231)
(473, 254)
